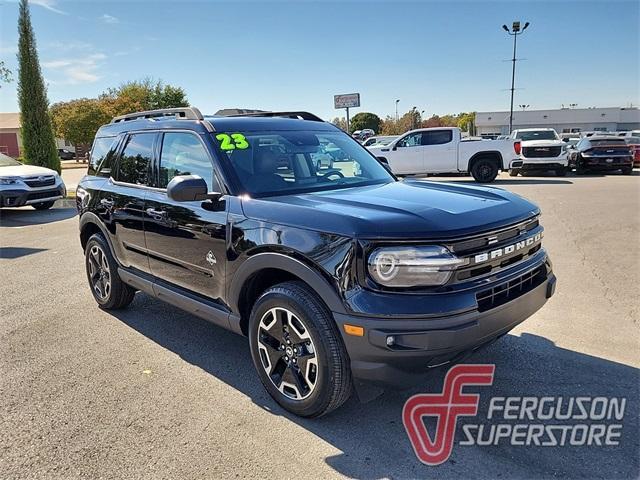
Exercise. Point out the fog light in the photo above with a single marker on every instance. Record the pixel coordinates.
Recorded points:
(391, 341)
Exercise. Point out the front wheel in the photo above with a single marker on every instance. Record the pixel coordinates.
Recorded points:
(484, 170)
(43, 205)
(297, 350)
(107, 287)
(627, 170)
(514, 172)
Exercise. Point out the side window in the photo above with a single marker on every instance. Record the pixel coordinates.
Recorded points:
(184, 154)
(437, 137)
(413, 140)
(135, 161)
(101, 156)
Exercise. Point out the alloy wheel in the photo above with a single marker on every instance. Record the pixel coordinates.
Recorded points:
(99, 272)
(287, 353)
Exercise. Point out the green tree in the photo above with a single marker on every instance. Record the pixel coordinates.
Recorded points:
(5, 74)
(38, 142)
(79, 120)
(141, 95)
(467, 121)
(364, 120)
(340, 122)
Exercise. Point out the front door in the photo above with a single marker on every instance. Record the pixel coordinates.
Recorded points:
(407, 155)
(186, 240)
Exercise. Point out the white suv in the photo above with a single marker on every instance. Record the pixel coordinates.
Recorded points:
(542, 149)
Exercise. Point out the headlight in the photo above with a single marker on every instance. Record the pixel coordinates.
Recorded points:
(412, 266)
(8, 180)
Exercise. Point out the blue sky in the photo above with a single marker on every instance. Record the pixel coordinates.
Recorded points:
(442, 57)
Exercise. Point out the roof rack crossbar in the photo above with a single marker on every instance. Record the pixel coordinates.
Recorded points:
(188, 113)
(298, 115)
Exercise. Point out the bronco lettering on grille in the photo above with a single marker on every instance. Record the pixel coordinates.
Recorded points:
(508, 250)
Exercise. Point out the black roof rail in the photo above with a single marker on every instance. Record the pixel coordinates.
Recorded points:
(187, 113)
(298, 115)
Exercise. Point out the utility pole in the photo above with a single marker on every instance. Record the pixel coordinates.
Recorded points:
(514, 32)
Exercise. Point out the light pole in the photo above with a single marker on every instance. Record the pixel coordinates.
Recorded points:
(397, 102)
(413, 117)
(514, 32)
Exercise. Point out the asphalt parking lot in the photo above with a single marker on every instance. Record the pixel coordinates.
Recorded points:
(153, 392)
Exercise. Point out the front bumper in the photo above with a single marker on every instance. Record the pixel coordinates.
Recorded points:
(551, 163)
(422, 343)
(19, 197)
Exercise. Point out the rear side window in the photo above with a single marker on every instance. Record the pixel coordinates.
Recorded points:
(135, 162)
(184, 154)
(437, 137)
(101, 156)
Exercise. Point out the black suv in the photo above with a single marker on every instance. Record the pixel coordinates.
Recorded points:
(340, 275)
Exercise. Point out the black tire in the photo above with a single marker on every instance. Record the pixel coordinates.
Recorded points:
(580, 170)
(118, 294)
(43, 205)
(627, 170)
(332, 383)
(514, 172)
(561, 172)
(484, 170)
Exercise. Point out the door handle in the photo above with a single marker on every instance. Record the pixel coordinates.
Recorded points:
(156, 214)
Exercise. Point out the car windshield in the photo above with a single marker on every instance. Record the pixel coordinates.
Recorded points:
(286, 162)
(6, 161)
(537, 135)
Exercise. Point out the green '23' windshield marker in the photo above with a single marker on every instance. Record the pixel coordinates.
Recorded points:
(233, 141)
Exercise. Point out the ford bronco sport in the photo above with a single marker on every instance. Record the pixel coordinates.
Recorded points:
(341, 278)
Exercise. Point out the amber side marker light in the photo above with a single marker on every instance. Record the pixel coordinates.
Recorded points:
(353, 330)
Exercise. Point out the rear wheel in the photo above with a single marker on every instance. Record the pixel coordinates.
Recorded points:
(484, 170)
(43, 205)
(297, 350)
(627, 170)
(514, 172)
(561, 172)
(107, 287)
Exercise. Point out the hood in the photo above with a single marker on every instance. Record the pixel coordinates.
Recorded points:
(397, 210)
(543, 143)
(25, 171)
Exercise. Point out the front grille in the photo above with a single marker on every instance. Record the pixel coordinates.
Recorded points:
(44, 182)
(505, 292)
(39, 195)
(541, 152)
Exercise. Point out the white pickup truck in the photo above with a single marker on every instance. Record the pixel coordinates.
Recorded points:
(542, 149)
(443, 150)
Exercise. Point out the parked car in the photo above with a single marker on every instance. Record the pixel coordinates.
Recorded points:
(65, 154)
(339, 280)
(443, 150)
(601, 153)
(542, 149)
(357, 135)
(28, 185)
(379, 140)
(634, 143)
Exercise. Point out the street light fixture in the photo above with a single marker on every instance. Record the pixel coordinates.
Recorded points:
(524, 107)
(514, 32)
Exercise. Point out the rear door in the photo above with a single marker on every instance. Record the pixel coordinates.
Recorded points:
(186, 241)
(440, 152)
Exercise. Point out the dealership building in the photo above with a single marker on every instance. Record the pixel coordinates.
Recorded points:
(11, 140)
(564, 120)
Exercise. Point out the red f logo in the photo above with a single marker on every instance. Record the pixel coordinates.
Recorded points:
(447, 406)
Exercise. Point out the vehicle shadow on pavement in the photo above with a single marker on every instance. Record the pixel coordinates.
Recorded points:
(371, 436)
(22, 217)
(17, 252)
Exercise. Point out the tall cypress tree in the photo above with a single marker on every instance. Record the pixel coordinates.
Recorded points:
(38, 142)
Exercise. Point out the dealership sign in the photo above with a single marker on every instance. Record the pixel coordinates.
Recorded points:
(348, 100)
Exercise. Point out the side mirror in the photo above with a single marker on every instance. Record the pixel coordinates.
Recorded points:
(189, 188)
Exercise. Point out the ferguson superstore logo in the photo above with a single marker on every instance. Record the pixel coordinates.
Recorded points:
(531, 421)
